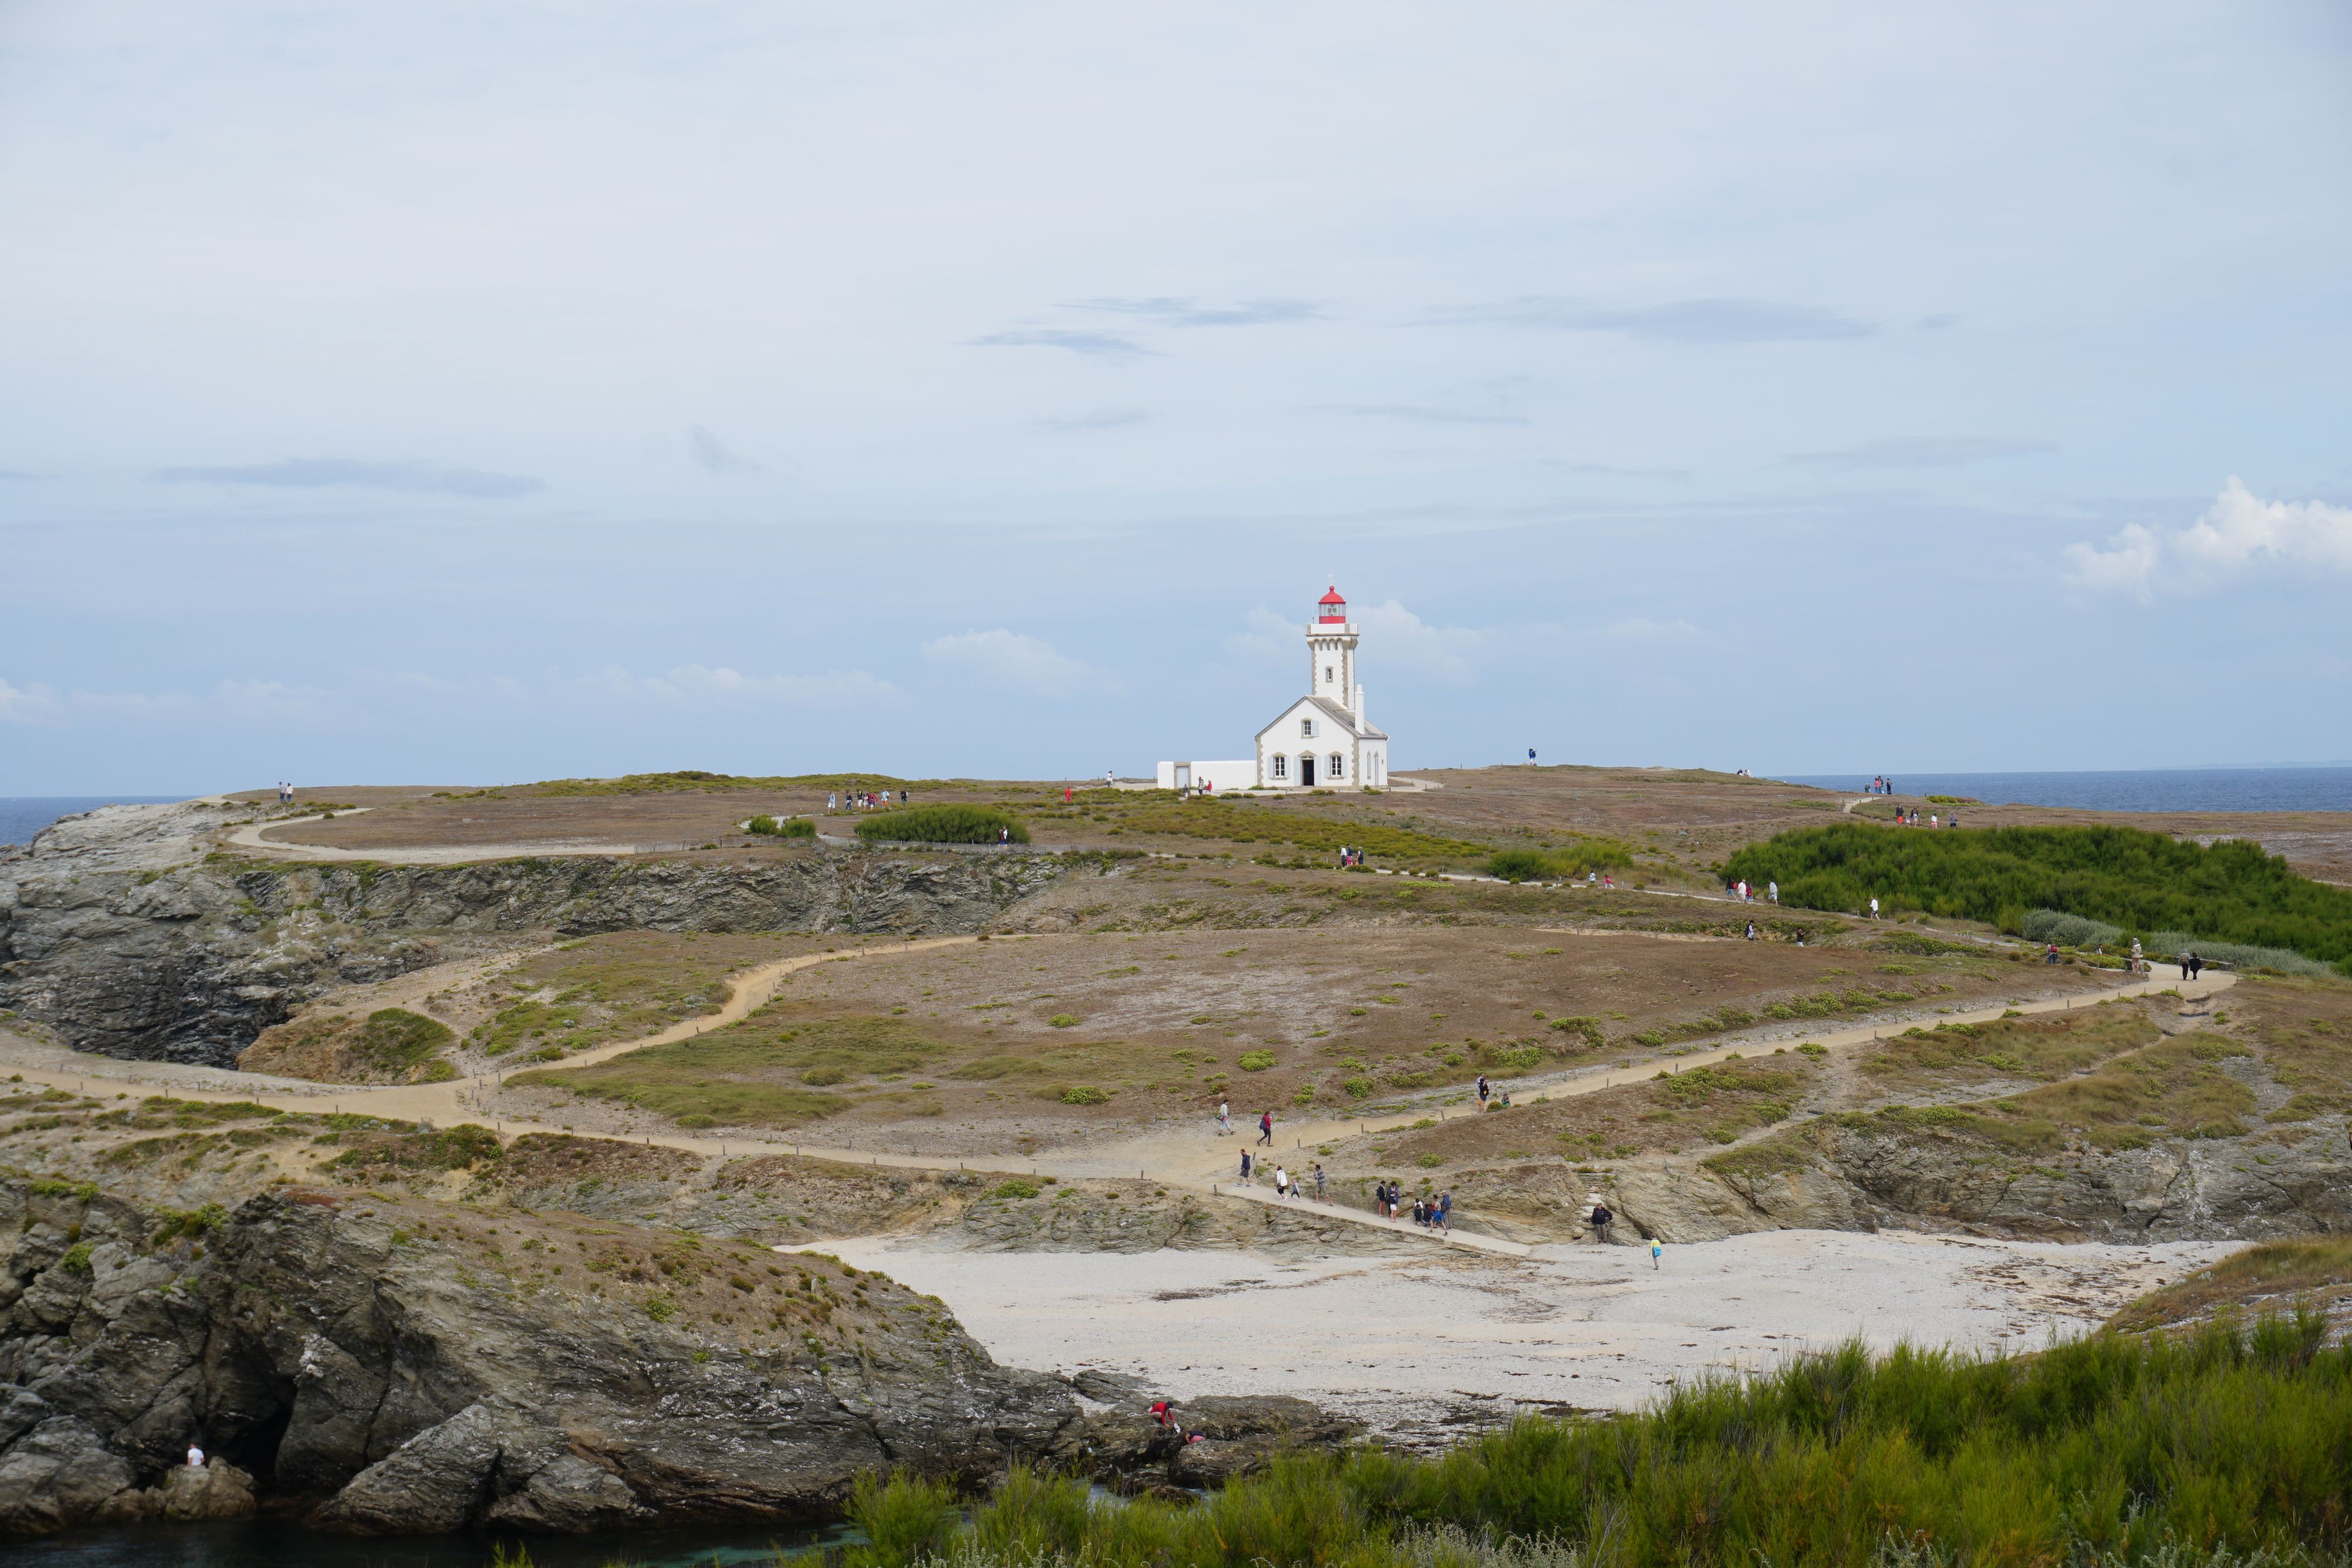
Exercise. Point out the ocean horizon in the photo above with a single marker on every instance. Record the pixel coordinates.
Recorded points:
(2295, 789)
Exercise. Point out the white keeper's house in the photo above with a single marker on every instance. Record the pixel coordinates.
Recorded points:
(1322, 741)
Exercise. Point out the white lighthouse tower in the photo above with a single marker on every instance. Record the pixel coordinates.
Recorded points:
(1323, 741)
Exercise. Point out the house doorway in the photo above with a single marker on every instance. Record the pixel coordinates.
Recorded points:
(1307, 772)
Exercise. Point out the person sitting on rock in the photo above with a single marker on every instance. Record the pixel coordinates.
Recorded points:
(195, 1457)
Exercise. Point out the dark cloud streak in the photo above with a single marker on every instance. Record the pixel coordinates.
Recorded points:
(1096, 345)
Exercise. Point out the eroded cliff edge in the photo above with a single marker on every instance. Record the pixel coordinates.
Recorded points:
(389, 1365)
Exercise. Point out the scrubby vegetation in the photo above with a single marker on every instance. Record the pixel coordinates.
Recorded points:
(789, 828)
(761, 1072)
(942, 825)
(2187, 1449)
(1558, 864)
(2137, 882)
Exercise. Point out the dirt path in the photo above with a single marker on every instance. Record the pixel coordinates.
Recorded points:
(1197, 1157)
(249, 838)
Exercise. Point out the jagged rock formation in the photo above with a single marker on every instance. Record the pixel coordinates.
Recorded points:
(377, 1376)
(1831, 1176)
(189, 962)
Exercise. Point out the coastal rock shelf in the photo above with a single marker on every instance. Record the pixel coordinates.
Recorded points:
(394, 1381)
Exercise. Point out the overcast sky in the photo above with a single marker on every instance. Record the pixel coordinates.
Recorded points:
(490, 391)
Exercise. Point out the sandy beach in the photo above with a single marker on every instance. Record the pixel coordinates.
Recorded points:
(1423, 1346)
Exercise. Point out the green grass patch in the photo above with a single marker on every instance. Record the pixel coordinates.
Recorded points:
(942, 825)
(752, 1073)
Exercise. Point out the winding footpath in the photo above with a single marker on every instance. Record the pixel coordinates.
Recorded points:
(1196, 1157)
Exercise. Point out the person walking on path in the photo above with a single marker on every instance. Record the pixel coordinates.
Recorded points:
(1873, 909)
(1482, 1092)
(1657, 1246)
(2196, 965)
(1445, 1211)
(1247, 1160)
(1751, 931)
(2181, 958)
(1224, 1121)
(1281, 1184)
(1265, 1129)
(1602, 1220)
(2139, 962)
(1772, 891)
(1319, 1179)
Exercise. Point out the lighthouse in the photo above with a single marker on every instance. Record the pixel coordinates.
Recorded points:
(1323, 741)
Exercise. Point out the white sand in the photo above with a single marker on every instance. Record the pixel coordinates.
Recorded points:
(1408, 1342)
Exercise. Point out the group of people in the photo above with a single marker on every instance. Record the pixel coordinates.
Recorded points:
(1429, 1212)
(285, 794)
(1882, 785)
(1910, 818)
(1746, 892)
(1285, 1187)
(863, 801)
(1349, 857)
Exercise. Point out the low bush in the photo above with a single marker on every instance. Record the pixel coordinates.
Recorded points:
(942, 825)
(789, 828)
(2121, 878)
(2187, 1451)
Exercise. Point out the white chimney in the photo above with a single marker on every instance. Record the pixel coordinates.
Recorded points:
(1360, 703)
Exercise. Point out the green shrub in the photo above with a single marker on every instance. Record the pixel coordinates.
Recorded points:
(1254, 1061)
(1084, 1095)
(1063, 1020)
(905, 1520)
(2120, 879)
(76, 1258)
(1014, 1189)
(942, 825)
(789, 828)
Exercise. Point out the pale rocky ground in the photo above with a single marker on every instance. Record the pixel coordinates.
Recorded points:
(1418, 1346)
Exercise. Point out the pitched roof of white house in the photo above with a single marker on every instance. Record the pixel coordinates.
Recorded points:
(1345, 721)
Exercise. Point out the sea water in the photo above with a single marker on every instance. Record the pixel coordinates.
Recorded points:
(281, 1543)
(2153, 790)
(22, 816)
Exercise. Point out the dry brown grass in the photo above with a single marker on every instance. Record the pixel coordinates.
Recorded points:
(2269, 1277)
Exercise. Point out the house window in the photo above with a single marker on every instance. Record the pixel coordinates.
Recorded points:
(1339, 766)
(1327, 674)
(1307, 729)
(1281, 766)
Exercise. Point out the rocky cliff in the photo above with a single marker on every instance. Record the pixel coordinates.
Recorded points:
(396, 1366)
(112, 935)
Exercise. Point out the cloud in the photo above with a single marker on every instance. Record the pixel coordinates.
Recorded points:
(1009, 659)
(1395, 636)
(1923, 452)
(1653, 633)
(1099, 345)
(1193, 313)
(1432, 415)
(713, 455)
(700, 685)
(316, 473)
(1683, 322)
(1101, 419)
(226, 702)
(16, 474)
(2238, 532)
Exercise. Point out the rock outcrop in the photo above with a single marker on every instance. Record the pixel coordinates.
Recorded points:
(394, 1383)
(189, 960)
(1829, 1175)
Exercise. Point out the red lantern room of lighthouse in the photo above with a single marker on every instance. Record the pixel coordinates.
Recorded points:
(1332, 608)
